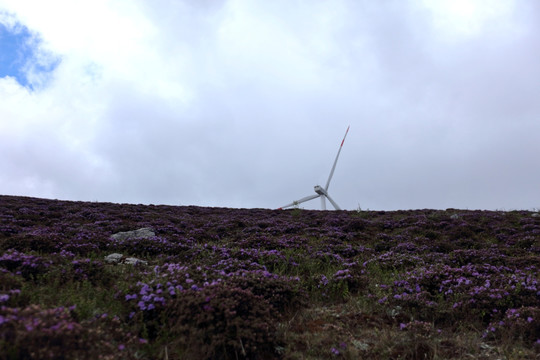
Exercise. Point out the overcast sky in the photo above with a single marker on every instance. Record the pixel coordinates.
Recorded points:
(244, 103)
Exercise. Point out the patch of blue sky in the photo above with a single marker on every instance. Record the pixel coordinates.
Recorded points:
(22, 58)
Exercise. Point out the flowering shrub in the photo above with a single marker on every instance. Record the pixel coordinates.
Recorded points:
(283, 294)
(22, 264)
(445, 293)
(145, 302)
(87, 269)
(81, 247)
(522, 323)
(150, 246)
(37, 333)
(222, 321)
(392, 260)
(31, 238)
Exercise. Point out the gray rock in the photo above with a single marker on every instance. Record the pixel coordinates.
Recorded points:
(116, 258)
(454, 217)
(135, 261)
(142, 233)
(113, 258)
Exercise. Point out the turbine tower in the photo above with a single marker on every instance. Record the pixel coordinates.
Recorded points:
(319, 190)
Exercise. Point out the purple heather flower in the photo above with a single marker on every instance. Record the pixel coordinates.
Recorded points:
(121, 347)
(530, 319)
(323, 282)
(334, 351)
(402, 326)
(145, 289)
(131, 297)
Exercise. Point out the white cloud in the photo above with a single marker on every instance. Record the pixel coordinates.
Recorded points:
(238, 103)
(461, 19)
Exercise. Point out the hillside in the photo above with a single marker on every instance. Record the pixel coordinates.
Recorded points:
(262, 284)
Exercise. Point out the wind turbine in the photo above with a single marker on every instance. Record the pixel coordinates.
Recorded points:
(320, 191)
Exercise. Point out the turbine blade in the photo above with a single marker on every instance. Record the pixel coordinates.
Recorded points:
(307, 198)
(333, 202)
(297, 202)
(335, 161)
(323, 203)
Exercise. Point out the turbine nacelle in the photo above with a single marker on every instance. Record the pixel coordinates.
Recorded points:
(319, 190)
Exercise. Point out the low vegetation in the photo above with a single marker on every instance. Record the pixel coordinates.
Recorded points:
(264, 284)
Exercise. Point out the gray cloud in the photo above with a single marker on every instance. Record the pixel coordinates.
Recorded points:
(231, 103)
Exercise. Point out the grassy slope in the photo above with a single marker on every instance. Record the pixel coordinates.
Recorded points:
(302, 284)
